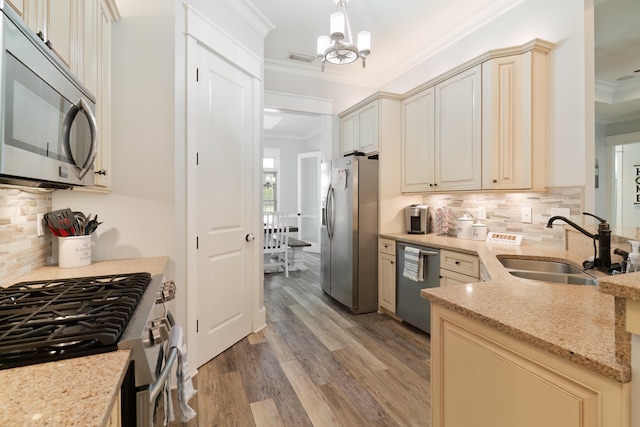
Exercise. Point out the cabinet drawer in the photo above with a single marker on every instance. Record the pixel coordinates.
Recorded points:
(451, 278)
(460, 263)
(387, 246)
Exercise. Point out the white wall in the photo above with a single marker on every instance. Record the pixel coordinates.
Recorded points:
(138, 214)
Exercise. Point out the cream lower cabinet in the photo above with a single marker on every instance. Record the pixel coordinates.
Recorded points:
(482, 377)
(514, 120)
(458, 268)
(115, 419)
(387, 275)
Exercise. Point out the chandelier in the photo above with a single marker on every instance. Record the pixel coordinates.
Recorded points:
(337, 49)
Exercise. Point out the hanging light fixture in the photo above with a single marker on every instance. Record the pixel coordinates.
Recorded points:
(337, 49)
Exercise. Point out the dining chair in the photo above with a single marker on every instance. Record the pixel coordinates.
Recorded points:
(276, 239)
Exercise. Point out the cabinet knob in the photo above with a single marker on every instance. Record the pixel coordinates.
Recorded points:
(495, 181)
(457, 262)
(101, 172)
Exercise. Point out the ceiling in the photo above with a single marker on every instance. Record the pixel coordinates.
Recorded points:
(428, 26)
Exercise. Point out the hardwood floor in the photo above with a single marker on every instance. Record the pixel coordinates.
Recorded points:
(316, 364)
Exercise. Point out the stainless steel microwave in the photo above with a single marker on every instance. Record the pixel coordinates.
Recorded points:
(48, 129)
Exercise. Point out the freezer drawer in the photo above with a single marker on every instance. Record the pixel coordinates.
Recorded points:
(410, 306)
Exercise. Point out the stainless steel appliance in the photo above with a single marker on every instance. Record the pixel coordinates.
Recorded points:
(349, 232)
(44, 142)
(410, 306)
(416, 219)
(50, 320)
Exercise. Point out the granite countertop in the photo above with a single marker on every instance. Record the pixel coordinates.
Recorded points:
(73, 392)
(577, 323)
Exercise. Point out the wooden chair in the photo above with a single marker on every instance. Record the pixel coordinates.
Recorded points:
(276, 239)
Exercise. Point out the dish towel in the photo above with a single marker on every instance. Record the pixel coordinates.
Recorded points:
(413, 264)
(185, 386)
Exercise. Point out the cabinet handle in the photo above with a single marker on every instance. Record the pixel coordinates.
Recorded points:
(48, 44)
(101, 172)
(457, 262)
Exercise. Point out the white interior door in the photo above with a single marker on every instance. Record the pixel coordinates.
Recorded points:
(309, 209)
(224, 174)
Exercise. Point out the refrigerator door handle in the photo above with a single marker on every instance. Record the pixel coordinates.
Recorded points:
(330, 212)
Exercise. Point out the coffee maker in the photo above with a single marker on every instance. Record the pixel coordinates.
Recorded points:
(416, 219)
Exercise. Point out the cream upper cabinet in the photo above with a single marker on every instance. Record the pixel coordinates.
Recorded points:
(107, 13)
(458, 132)
(441, 135)
(360, 130)
(418, 133)
(514, 128)
(56, 23)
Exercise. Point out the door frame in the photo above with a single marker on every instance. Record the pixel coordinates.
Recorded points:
(315, 246)
(201, 31)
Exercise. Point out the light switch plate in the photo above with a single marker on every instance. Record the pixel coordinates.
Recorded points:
(526, 214)
(482, 212)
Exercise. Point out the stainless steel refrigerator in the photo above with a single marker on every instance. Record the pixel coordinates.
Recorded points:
(349, 235)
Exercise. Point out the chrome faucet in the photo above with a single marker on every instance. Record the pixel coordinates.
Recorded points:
(602, 258)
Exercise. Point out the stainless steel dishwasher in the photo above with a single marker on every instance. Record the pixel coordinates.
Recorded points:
(410, 306)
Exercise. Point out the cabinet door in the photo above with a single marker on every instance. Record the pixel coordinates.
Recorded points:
(368, 128)
(90, 14)
(61, 22)
(458, 156)
(349, 133)
(387, 282)
(18, 6)
(451, 278)
(418, 142)
(102, 164)
(514, 98)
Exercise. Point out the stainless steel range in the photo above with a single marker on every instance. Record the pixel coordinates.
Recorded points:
(49, 320)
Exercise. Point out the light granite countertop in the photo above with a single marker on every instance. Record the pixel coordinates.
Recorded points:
(578, 323)
(73, 392)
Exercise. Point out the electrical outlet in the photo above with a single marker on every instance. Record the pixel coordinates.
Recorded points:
(482, 212)
(526, 214)
(40, 225)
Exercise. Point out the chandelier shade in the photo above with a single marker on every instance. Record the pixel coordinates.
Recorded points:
(338, 48)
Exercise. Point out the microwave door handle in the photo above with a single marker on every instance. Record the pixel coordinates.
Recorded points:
(81, 105)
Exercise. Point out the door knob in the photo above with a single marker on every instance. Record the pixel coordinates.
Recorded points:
(250, 237)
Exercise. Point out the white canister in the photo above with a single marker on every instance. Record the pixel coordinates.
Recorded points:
(74, 251)
(464, 226)
(479, 231)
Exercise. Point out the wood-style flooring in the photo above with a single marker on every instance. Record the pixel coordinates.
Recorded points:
(316, 364)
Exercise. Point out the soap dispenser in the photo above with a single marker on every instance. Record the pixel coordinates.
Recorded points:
(633, 263)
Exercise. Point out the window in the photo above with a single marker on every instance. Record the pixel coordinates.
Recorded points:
(270, 170)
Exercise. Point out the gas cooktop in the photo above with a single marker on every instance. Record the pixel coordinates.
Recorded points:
(51, 320)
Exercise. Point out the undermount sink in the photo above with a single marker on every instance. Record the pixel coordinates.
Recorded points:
(547, 271)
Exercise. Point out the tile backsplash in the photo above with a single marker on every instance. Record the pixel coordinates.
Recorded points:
(503, 211)
(21, 251)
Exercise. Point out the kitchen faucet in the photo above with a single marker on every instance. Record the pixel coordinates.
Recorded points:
(602, 258)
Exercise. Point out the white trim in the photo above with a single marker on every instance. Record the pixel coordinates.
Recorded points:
(625, 138)
(293, 102)
(251, 15)
(208, 33)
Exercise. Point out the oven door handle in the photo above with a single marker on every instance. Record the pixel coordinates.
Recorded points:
(156, 388)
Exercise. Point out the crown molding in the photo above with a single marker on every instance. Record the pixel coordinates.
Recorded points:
(252, 15)
(315, 72)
